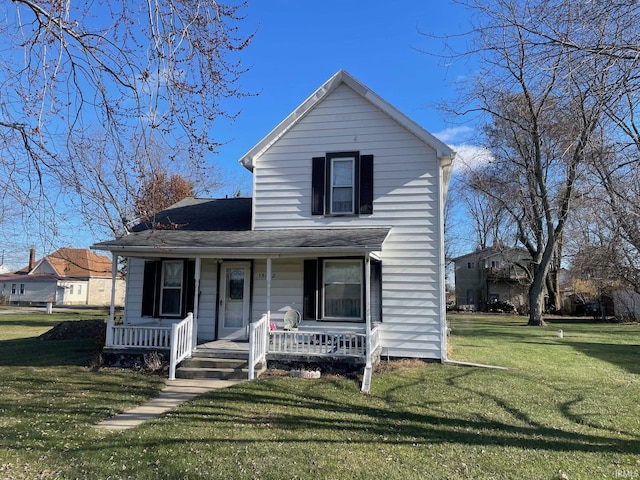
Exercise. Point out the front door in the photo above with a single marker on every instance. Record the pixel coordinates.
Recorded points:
(234, 301)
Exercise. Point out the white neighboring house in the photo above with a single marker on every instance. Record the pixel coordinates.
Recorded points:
(345, 226)
(69, 276)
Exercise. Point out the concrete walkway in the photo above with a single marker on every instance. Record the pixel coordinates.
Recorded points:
(175, 392)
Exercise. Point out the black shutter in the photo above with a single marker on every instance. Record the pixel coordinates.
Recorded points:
(310, 288)
(189, 281)
(366, 184)
(150, 288)
(317, 186)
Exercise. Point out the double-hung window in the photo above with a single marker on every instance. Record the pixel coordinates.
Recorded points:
(342, 189)
(171, 290)
(342, 184)
(342, 289)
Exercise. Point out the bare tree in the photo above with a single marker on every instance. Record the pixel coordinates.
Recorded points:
(540, 112)
(138, 70)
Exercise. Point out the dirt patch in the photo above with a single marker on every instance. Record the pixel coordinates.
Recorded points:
(386, 366)
(75, 329)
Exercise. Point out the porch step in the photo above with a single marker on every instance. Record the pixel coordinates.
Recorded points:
(205, 367)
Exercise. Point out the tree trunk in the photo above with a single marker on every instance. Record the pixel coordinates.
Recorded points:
(553, 290)
(536, 302)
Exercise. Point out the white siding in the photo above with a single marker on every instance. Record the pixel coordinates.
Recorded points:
(99, 291)
(406, 197)
(286, 288)
(208, 300)
(133, 296)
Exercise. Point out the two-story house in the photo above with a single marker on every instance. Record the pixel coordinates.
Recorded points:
(492, 275)
(344, 230)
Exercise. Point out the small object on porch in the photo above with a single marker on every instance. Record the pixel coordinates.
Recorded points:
(292, 320)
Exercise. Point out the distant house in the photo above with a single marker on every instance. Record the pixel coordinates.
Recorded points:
(492, 275)
(69, 276)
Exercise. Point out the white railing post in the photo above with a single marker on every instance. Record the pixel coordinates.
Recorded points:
(108, 342)
(258, 332)
(181, 341)
(366, 376)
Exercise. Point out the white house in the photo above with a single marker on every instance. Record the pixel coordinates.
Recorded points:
(69, 276)
(345, 227)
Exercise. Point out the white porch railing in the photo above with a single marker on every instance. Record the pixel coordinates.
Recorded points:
(338, 344)
(181, 343)
(258, 335)
(176, 338)
(137, 336)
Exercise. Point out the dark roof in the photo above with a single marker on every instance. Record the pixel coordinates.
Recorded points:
(202, 214)
(251, 241)
(223, 227)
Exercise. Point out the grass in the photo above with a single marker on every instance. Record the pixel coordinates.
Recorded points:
(566, 408)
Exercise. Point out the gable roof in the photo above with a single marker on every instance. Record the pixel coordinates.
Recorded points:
(444, 153)
(72, 262)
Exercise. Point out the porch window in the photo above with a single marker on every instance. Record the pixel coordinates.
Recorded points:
(171, 291)
(342, 289)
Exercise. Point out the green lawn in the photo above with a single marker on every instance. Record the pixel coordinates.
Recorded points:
(565, 408)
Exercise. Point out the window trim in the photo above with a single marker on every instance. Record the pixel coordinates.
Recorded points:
(362, 189)
(333, 160)
(163, 288)
(323, 286)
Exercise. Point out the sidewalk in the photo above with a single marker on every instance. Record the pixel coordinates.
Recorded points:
(175, 393)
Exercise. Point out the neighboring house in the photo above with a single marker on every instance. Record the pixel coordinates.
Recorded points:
(492, 275)
(345, 226)
(69, 276)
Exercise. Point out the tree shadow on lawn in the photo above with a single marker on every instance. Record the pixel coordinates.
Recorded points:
(34, 352)
(623, 356)
(313, 418)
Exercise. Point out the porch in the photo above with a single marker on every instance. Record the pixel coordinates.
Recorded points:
(300, 345)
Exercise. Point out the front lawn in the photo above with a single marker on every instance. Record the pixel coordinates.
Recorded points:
(565, 408)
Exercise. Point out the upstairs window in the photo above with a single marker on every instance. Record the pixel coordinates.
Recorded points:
(342, 184)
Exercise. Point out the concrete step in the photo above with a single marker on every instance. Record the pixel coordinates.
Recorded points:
(211, 362)
(212, 373)
(219, 353)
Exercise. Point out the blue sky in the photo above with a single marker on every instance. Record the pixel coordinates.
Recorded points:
(299, 44)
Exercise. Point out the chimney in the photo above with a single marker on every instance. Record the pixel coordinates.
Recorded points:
(32, 258)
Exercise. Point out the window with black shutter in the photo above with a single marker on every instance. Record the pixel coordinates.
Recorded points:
(342, 184)
(168, 288)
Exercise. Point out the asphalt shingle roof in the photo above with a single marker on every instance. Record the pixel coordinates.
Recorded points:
(224, 226)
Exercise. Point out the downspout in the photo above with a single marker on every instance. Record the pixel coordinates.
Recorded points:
(196, 295)
(114, 275)
(366, 377)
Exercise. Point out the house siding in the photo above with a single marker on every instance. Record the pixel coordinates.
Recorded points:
(406, 197)
(286, 288)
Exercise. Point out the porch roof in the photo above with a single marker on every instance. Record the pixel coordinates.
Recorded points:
(226, 243)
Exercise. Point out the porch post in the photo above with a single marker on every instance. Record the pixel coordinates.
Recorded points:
(114, 276)
(366, 378)
(268, 292)
(194, 341)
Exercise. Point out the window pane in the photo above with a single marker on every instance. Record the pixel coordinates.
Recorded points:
(172, 274)
(344, 272)
(343, 289)
(342, 300)
(171, 301)
(342, 172)
(235, 284)
(342, 199)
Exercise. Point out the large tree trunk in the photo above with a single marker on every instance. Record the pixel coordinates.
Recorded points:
(553, 290)
(536, 301)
